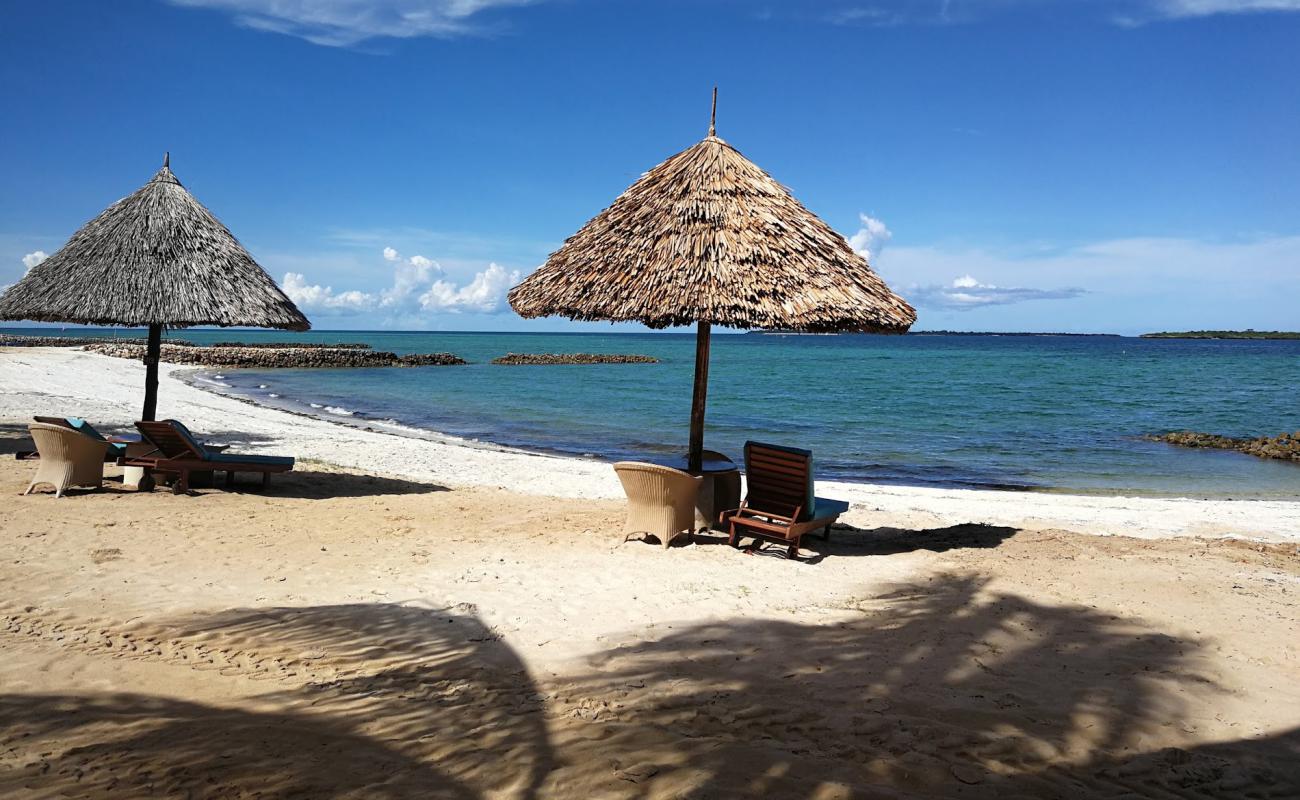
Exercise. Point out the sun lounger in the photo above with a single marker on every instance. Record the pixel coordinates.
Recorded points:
(68, 458)
(179, 453)
(780, 505)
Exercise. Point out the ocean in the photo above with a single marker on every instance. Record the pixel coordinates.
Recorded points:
(1038, 413)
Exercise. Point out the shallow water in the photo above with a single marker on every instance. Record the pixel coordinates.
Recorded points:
(1046, 413)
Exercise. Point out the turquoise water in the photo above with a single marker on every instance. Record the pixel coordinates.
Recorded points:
(1045, 413)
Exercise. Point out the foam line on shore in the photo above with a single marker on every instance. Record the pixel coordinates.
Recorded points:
(108, 390)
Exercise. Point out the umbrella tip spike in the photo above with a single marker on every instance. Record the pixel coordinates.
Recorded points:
(713, 115)
(167, 159)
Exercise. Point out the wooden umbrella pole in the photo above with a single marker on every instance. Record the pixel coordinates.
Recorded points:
(151, 373)
(696, 458)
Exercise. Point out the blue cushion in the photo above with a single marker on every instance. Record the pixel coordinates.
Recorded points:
(235, 458)
(185, 434)
(80, 425)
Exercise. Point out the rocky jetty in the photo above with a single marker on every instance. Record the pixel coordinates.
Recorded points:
(19, 340)
(518, 359)
(295, 345)
(1285, 446)
(276, 358)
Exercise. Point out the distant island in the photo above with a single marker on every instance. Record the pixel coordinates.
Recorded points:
(1246, 334)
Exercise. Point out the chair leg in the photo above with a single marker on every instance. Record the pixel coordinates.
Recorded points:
(230, 479)
(30, 487)
(266, 481)
(182, 484)
(792, 552)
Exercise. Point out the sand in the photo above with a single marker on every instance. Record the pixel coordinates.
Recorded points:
(424, 633)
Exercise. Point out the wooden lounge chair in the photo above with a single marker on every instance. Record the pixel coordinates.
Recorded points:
(780, 505)
(179, 453)
(660, 500)
(68, 458)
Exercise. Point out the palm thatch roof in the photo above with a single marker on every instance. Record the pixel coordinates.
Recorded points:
(157, 257)
(708, 236)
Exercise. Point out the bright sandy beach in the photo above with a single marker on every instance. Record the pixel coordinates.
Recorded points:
(411, 618)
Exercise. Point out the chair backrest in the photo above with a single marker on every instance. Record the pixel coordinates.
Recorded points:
(75, 423)
(640, 478)
(63, 443)
(780, 480)
(172, 439)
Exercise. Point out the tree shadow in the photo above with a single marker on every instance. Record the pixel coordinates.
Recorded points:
(391, 702)
(14, 438)
(847, 540)
(942, 688)
(128, 745)
(318, 485)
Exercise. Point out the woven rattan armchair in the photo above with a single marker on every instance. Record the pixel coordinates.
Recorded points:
(660, 500)
(68, 458)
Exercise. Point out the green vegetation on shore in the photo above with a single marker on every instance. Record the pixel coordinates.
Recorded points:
(1246, 334)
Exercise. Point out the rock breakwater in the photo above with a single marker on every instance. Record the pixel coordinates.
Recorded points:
(277, 358)
(520, 359)
(1284, 446)
(294, 345)
(20, 340)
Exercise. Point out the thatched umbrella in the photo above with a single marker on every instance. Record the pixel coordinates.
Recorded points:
(707, 237)
(157, 258)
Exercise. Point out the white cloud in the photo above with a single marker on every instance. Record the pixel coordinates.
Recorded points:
(485, 293)
(343, 23)
(417, 289)
(887, 13)
(870, 238)
(408, 278)
(314, 297)
(1205, 8)
(967, 292)
(32, 259)
(1128, 285)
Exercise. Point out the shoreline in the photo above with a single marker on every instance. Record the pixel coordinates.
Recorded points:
(106, 389)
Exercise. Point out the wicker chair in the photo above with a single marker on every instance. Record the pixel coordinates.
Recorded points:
(68, 458)
(660, 500)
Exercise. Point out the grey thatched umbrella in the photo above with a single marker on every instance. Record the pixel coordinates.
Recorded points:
(157, 258)
(707, 237)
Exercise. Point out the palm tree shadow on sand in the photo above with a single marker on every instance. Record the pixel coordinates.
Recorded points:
(939, 689)
(398, 702)
(942, 688)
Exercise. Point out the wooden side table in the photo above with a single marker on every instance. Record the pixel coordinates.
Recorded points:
(719, 491)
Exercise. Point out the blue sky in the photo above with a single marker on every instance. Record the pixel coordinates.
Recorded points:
(1076, 165)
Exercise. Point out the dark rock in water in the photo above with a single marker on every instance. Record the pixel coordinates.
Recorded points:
(1284, 446)
(277, 358)
(295, 345)
(19, 340)
(429, 360)
(517, 359)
